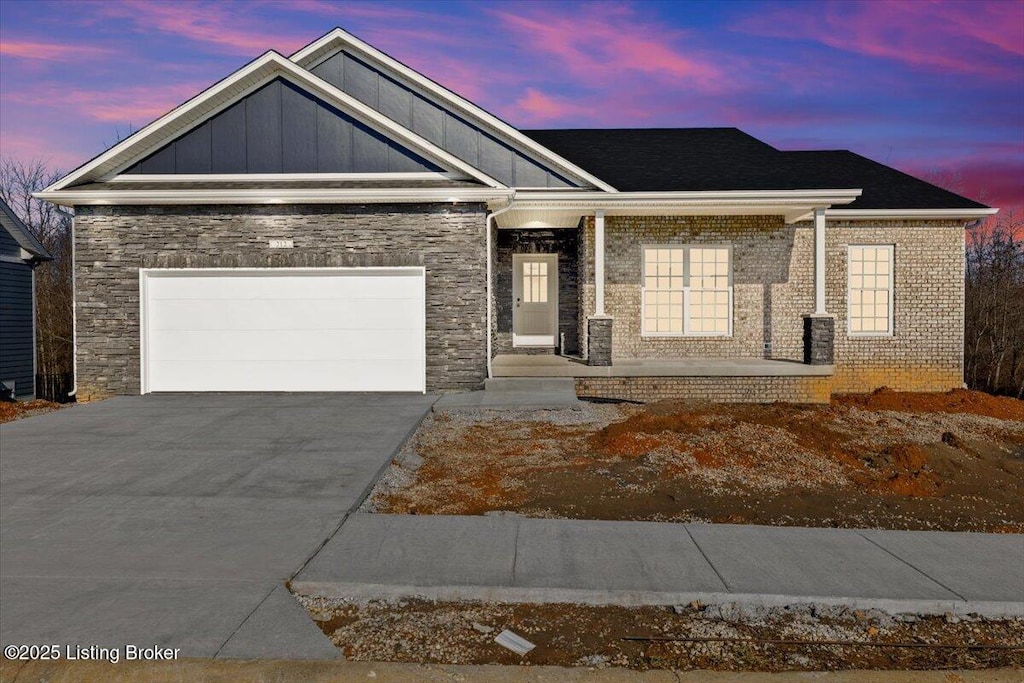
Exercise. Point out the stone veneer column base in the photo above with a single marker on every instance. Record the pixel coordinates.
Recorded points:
(599, 340)
(819, 340)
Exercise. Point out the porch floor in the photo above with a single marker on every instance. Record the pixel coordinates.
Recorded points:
(511, 365)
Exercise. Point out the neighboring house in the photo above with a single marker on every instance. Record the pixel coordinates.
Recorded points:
(335, 221)
(20, 253)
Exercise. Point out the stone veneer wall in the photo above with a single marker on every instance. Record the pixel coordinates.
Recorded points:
(561, 241)
(773, 288)
(112, 243)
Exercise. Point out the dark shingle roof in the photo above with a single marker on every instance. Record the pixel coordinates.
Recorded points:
(20, 232)
(695, 159)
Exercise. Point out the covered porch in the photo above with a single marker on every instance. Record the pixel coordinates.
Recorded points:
(514, 365)
(566, 269)
(720, 380)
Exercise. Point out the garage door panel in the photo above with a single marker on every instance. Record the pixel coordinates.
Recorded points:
(294, 314)
(330, 329)
(291, 375)
(285, 345)
(214, 287)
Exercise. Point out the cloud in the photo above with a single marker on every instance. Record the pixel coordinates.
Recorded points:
(536, 107)
(602, 42)
(50, 52)
(222, 25)
(969, 38)
(136, 105)
(994, 181)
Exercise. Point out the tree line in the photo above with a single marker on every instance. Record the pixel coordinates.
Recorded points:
(994, 285)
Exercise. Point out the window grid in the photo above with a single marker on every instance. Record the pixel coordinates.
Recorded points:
(870, 290)
(535, 282)
(687, 291)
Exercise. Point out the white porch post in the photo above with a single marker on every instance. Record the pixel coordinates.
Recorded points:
(599, 325)
(819, 262)
(599, 262)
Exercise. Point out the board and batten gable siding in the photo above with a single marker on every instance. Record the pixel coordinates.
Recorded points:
(408, 106)
(17, 347)
(280, 128)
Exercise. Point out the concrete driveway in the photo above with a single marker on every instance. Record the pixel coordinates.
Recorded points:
(175, 519)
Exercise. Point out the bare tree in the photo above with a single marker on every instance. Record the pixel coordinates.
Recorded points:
(994, 293)
(994, 316)
(52, 227)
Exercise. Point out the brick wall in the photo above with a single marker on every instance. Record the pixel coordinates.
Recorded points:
(112, 243)
(773, 288)
(714, 389)
(925, 352)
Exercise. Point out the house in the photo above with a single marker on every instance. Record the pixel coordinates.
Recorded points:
(20, 253)
(335, 221)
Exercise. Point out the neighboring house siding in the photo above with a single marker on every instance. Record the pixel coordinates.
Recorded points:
(405, 104)
(773, 288)
(282, 129)
(562, 241)
(112, 243)
(16, 331)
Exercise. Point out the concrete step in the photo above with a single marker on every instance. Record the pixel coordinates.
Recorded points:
(525, 384)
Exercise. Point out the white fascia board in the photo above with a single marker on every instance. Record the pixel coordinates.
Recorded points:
(244, 81)
(327, 45)
(279, 177)
(909, 214)
(443, 195)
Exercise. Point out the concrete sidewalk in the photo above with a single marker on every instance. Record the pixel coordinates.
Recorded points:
(598, 562)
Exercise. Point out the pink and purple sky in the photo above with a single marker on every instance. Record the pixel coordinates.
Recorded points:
(933, 88)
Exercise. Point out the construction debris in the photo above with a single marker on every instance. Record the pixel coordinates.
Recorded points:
(514, 642)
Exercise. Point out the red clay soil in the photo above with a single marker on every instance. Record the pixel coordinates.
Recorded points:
(859, 462)
(955, 401)
(14, 410)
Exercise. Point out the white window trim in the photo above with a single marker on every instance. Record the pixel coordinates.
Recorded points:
(687, 333)
(891, 332)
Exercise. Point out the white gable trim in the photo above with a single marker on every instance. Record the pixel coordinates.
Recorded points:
(333, 42)
(280, 177)
(233, 88)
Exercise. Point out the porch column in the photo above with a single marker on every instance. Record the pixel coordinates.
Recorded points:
(819, 327)
(819, 262)
(599, 325)
(599, 262)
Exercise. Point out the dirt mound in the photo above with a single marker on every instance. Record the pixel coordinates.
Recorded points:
(779, 463)
(954, 401)
(906, 467)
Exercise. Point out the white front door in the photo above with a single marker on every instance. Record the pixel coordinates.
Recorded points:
(283, 329)
(535, 299)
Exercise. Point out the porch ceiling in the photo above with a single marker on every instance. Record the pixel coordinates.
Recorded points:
(545, 217)
(564, 209)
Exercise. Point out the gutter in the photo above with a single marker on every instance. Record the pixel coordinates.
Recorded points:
(715, 197)
(491, 224)
(910, 214)
(273, 196)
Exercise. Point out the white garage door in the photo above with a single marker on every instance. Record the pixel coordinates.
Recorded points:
(283, 329)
